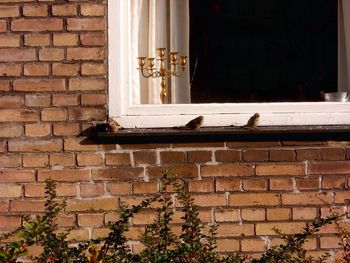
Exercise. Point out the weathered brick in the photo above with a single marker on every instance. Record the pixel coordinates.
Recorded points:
(89, 159)
(15, 115)
(296, 169)
(278, 214)
(64, 10)
(304, 213)
(77, 144)
(282, 184)
(227, 185)
(4, 206)
(253, 214)
(91, 220)
(186, 171)
(85, 113)
(119, 188)
(17, 54)
(92, 39)
(201, 186)
(210, 200)
(36, 69)
(91, 69)
(280, 155)
(87, 84)
(334, 167)
(84, 53)
(22, 205)
(261, 199)
(252, 245)
(85, 24)
(10, 190)
(145, 187)
(36, 40)
(10, 161)
(93, 99)
(252, 144)
(35, 160)
(235, 230)
(117, 158)
(37, 130)
(92, 9)
(7, 221)
(16, 176)
(65, 39)
(89, 190)
(60, 69)
(285, 227)
(103, 204)
(199, 156)
(66, 129)
(308, 183)
(11, 130)
(9, 11)
(38, 85)
(308, 198)
(227, 170)
(62, 159)
(35, 10)
(53, 114)
(51, 54)
(116, 174)
(9, 41)
(10, 70)
(3, 26)
(333, 182)
(144, 157)
(37, 100)
(38, 190)
(53, 145)
(254, 185)
(37, 24)
(227, 245)
(227, 155)
(4, 85)
(144, 217)
(66, 175)
(256, 155)
(76, 235)
(227, 215)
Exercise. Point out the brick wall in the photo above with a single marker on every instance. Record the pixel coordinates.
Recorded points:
(53, 81)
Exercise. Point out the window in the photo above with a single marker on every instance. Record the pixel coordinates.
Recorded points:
(130, 114)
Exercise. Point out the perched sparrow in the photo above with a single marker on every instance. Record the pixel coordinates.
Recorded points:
(195, 124)
(112, 125)
(253, 122)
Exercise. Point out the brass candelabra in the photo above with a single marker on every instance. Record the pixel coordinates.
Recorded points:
(148, 69)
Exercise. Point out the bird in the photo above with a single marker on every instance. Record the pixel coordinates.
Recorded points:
(97, 127)
(195, 124)
(253, 122)
(112, 125)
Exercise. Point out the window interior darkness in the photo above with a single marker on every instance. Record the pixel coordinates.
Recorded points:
(262, 50)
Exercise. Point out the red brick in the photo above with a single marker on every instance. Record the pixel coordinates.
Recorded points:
(254, 185)
(92, 190)
(103, 204)
(64, 10)
(145, 187)
(66, 129)
(37, 40)
(16, 176)
(38, 190)
(65, 69)
(341, 197)
(92, 10)
(65, 100)
(35, 10)
(89, 159)
(36, 69)
(51, 54)
(67, 175)
(285, 227)
(227, 185)
(37, 130)
(116, 174)
(255, 155)
(87, 84)
(261, 199)
(281, 169)
(309, 198)
(186, 171)
(7, 221)
(333, 182)
(280, 155)
(227, 245)
(308, 183)
(37, 100)
(117, 158)
(119, 188)
(9, 10)
(235, 230)
(283, 184)
(37, 24)
(17, 54)
(91, 69)
(199, 156)
(10, 190)
(329, 242)
(253, 245)
(78, 235)
(92, 39)
(91, 220)
(65, 220)
(335, 167)
(39, 85)
(4, 206)
(11, 130)
(329, 153)
(85, 53)
(278, 214)
(10, 161)
(144, 217)
(76, 144)
(22, 205)
(53, 114)
(53, 145)
(304, 213)
(35, 160)
(85, 24)
(65, 39)
(3, 26)
(227, 155)
(22, 115)
(227, 170)
(210, 200)
(253, 214)
(252, 144)
(227, 215)
(62, 159)
(84, 113)
(4, 85)
(9, 41)
(201, 186)
(10, 70)
(172, 157)
(144, 157)
(93, 99)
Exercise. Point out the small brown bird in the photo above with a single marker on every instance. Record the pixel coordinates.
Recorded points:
(253, 122)
(112, 125)
(195, 124)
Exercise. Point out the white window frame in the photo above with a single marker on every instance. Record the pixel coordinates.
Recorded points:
(215, 114)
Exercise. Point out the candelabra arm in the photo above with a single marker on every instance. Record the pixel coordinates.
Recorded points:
(163, 93)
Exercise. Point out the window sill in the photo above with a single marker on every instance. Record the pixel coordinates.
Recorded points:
(263, 133)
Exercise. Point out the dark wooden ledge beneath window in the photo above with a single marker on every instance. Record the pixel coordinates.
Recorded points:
(264, 133)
